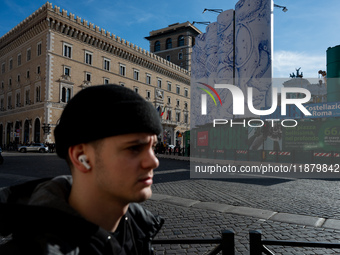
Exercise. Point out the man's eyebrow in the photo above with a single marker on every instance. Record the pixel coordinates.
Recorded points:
(138, 141)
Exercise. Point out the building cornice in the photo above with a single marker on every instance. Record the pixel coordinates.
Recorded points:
(74, 27)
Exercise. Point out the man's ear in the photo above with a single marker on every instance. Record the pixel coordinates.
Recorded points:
(79, 158)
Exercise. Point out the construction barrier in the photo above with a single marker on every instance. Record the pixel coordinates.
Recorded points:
(298, 157)
(242, 155)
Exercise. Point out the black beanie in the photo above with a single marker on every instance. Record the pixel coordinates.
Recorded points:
(103, 111)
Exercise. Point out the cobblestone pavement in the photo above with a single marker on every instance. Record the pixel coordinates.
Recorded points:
(313, 197)
(277, 195)
(182, 222)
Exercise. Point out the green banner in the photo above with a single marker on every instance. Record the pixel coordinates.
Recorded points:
(313, 135)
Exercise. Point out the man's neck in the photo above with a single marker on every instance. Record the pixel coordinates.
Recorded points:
(106, 214)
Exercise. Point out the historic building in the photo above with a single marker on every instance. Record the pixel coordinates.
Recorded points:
(51, 55)
(174, 43)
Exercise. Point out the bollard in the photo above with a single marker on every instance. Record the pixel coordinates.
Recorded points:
(255, 244)
(228, 242)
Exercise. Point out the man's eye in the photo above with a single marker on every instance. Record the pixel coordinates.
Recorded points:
(136, 148)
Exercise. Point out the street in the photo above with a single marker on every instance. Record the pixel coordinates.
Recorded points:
(300, 198)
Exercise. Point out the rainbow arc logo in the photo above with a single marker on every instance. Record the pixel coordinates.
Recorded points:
(204, 97)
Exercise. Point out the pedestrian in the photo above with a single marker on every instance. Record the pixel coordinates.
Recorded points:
(106, 134)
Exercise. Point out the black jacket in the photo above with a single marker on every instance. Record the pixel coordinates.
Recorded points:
(37, 219)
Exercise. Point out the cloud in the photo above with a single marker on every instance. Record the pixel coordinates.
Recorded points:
(286, 62)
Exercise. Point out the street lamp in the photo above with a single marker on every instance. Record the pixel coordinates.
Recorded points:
(212, 10)
(284, 8)
(201, 22)
(46, 128)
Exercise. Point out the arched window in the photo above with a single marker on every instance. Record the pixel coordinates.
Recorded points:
(26, 131)
(157, 46)
(180, 40)
(168, 43)
(37, 131)
(65, 95)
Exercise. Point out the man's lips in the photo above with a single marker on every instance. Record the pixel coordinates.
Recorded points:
(146, 180)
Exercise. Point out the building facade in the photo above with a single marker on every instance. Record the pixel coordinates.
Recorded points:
(174, 43)
(52, 55)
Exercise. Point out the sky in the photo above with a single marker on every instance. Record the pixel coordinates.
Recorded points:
(301, 35)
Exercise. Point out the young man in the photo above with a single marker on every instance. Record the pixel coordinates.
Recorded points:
(106, 134)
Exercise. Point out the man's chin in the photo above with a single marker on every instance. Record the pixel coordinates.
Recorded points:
(145, 195)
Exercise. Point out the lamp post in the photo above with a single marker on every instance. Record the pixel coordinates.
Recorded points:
(47, 130)
(212, 10)
(284, 8)
(201, 22)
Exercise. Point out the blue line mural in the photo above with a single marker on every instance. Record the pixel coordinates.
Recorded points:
(234, 50)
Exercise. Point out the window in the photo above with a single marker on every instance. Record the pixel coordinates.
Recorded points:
(28, 74)
(168, 43)
(148, 78)
(178, 89)
(3, 68)
(19, 59)
(186, 93)
(185, 105)
(177, 102)
(67, 71)
(10, 82)
(17, 103)
(169, 100)
(106, 81)
(27, 97)
(28, 54)
(180, 41)
(38, 94)
(65, 94)
(2, 84)
(178, 116)
(39, 49)
(136, 89)
(180, 55)
(87, 76)
(157, 46)
(159, 83)
(122, 84)
(168, 58)
(9, 102)
(67, 50)
(122, 70)
(136, 74)
(169, 86)
(186, 118)
(148, 94)
(10, 64)
(168, 115)
(88, 57)
(1, 104)
(106, 64)
(18, 78)
(38, 70)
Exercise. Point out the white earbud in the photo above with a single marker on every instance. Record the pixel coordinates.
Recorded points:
(83, 159)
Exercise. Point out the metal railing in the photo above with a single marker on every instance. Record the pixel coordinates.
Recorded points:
(257, 246)
(225, 244)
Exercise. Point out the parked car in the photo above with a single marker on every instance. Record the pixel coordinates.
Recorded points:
(37, 147)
